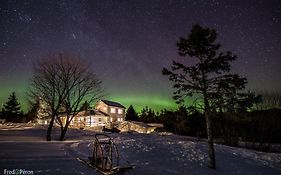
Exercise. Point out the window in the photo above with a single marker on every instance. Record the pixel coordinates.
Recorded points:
(111, 119)
(80, 119)
(99, 119)
(88, 120)
(112, 110)
(120, 111)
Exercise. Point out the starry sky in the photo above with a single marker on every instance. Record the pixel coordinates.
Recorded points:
(128, 42)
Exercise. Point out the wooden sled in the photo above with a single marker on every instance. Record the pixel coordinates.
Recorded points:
(105, 157)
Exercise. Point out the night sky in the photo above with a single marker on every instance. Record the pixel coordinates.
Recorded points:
(128, 42)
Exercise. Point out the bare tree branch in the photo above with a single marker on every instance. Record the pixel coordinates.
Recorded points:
(63, 82)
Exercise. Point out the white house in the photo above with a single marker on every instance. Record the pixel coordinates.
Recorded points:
(90, 118)
(106, 113)
(115, 110)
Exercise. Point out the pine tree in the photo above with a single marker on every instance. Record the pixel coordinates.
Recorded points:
(209, 78)
(147, 115)
(132, 114)
(11, 109)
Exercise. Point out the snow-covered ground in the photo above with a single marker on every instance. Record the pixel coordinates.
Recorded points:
(23, 147)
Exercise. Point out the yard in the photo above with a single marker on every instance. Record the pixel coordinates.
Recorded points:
(24, 148)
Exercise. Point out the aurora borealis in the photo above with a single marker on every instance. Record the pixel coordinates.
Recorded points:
(128, 42)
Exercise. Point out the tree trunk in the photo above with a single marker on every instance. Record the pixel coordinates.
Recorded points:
(211, 150)
(207, 111)
(63, 131)
(62, 134)
(50, 127)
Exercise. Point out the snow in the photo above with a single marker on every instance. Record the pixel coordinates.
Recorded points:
(23, 147)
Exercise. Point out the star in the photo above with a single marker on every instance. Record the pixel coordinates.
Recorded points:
(74, 36)
(127, 43)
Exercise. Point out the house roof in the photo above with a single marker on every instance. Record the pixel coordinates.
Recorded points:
(111, 103)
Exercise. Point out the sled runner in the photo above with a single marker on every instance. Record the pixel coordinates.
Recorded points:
(105, 158)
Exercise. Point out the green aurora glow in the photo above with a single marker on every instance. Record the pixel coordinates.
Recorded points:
(155, 103)
(139, 102)
(19, 85)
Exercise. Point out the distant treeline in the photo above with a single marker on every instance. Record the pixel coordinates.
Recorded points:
(260, 127)
(269, 100)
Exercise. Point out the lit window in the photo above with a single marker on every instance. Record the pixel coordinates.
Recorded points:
(120, 111)
(112, 110)
(104, 108)
(111, 119)
(88, 121)
(119, 119)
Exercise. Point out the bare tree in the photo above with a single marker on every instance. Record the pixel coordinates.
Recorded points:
(81, 84)
(63, 82)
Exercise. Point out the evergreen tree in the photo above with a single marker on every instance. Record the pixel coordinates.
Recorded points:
(208, 78)
(180, 120)
(11, 109)
(132, 114)
(147, 115)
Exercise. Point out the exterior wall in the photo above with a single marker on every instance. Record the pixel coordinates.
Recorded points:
(43, 121)
(102, 107)
(89, 121)
(139, 127)
(96, 120)
(114, 117)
